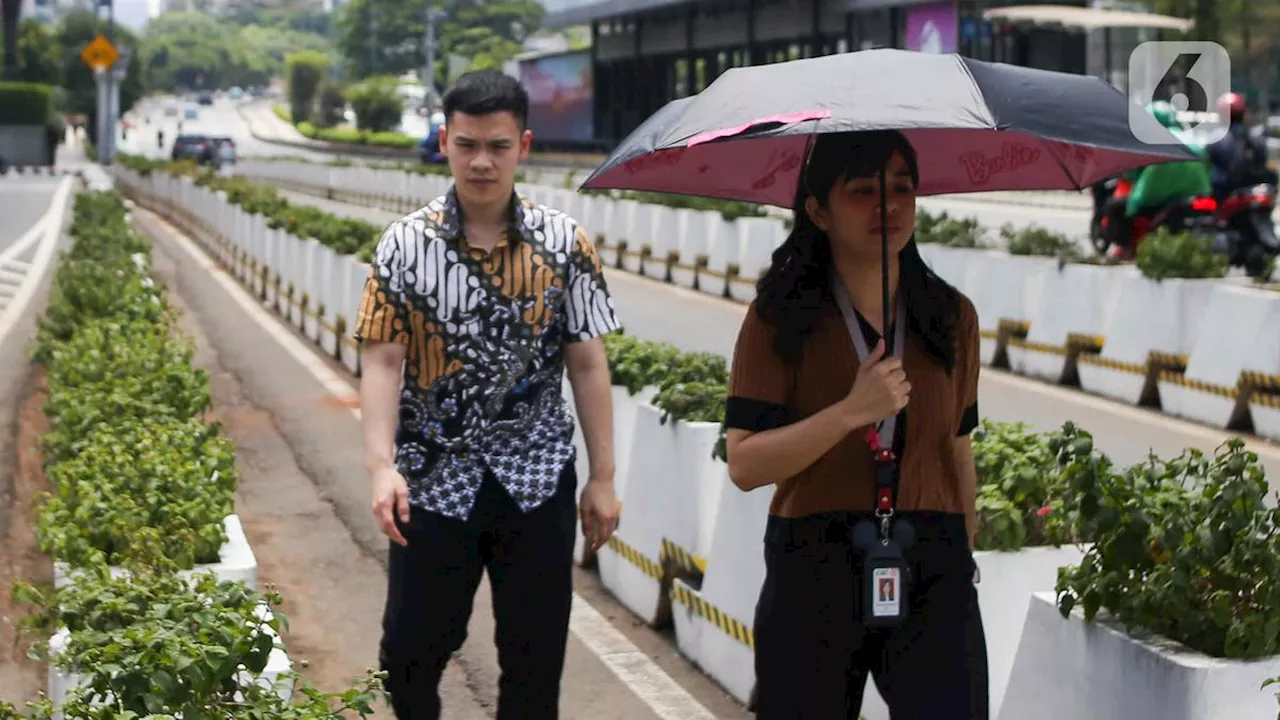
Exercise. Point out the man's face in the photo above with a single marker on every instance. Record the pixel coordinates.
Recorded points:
(484, 152)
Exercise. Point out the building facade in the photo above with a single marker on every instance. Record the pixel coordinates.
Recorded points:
(645, 53)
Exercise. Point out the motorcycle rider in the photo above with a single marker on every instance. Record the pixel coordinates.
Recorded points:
(1239, 159)
(1159, 185)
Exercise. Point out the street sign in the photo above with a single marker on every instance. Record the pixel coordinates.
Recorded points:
(99, 54)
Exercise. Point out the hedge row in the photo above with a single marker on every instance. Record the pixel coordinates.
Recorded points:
(141, 483)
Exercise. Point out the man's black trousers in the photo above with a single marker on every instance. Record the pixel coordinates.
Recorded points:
(812, 654)
(432, 584)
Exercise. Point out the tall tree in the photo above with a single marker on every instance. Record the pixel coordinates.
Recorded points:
(39, 54)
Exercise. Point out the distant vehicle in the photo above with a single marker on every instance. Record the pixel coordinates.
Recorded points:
(235, 93)
(170, 111)
(191, 113)
(194, 147)
(205, 98)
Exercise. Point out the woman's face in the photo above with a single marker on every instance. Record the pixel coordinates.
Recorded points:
(851, 217)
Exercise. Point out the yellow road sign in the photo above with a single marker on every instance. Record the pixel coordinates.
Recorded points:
(99, 54)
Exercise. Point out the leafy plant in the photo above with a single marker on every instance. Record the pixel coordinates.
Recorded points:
(1165, 254)
(636, 364)
(1185, 548)
(1266, 684)
(1023, 498)
(111, 372)
(691, 402)
(943, 229)
(156, 645)
(1035, 240)
(174, 476)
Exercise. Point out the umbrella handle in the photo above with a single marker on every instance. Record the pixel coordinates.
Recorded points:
(783, 119)
(884, 257)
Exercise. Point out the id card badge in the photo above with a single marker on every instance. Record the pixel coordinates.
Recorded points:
(886, 587)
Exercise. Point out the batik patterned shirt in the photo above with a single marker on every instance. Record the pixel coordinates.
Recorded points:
(484, 336)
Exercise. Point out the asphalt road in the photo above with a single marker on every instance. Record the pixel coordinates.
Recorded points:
(221, 119)
(23, 199)
(1124, 432)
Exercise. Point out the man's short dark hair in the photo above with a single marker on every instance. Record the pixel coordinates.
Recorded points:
(481, 92)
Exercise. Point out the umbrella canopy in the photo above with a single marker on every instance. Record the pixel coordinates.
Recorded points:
(976, 126)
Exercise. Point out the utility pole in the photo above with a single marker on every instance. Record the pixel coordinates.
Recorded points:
(429, 72)
(373, 40)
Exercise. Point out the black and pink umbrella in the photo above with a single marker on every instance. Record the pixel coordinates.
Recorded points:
(976, 126)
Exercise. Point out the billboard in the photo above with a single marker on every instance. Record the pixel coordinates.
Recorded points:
(561, 99)
(932, 28)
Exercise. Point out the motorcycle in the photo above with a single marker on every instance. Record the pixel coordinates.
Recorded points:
(1111, 229)
(1247, 234)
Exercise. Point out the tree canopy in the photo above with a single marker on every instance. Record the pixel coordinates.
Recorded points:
(387, 37)
(193, 50)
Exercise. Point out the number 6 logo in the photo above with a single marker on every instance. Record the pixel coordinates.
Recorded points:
(1191, 76)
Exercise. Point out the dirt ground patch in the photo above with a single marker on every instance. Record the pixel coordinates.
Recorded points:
(22, 679)
(333, 593)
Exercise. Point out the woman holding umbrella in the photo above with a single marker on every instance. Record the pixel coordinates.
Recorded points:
(804, 393)
(868, 548)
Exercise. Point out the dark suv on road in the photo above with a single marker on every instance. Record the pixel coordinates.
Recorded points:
(200, 148)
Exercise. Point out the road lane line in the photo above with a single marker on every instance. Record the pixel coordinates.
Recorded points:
(48, 227)
(624, 659)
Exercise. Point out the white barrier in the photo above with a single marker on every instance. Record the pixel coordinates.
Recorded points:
(1068, 669)
(236, 561)
(1239, 335)
(1026, 305)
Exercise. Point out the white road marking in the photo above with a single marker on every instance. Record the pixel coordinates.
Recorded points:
(48, 227)
(632, 666)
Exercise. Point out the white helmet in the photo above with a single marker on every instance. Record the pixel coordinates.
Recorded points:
(437, 118)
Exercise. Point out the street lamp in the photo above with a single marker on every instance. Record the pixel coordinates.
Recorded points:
(429, 71)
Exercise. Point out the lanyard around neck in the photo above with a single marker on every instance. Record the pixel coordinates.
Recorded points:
(887, 426)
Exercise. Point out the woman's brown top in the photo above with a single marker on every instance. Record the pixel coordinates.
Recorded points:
(765, 393)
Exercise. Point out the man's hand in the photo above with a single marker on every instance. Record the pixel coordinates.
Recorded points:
(599, 510)
(390, 499)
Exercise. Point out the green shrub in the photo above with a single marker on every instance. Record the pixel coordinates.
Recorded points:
(1186, 548)
(25, 103)
(1166, 254)
(1023, 497)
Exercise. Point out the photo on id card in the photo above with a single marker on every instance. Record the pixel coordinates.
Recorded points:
(887, 584)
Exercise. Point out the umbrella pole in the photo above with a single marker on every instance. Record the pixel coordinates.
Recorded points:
(884, 258)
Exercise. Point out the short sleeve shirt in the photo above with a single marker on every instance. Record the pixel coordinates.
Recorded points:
(765, 392)
(484, 336)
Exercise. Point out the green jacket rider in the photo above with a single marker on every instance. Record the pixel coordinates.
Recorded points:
(1158, 185)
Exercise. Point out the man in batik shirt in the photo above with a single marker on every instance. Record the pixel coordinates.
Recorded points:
(476, 306)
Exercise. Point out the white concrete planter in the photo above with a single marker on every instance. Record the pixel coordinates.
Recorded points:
(61, 683)
(236, 561)
(629, 564)
(1008, 581)
(625, 406)
(1067, 669)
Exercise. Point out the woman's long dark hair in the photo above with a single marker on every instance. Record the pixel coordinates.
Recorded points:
(791, 294)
